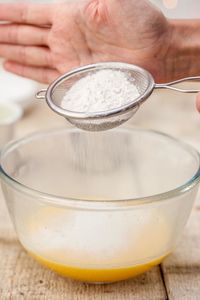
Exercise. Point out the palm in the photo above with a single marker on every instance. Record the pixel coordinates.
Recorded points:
(108, 32)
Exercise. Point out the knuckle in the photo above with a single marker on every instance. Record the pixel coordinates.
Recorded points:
(23, 54)
(43, 37)
(17, 33)
(24, 13)
(13, 34)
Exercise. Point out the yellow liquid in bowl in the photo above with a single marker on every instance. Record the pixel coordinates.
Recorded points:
(97, 275)
(97, 247)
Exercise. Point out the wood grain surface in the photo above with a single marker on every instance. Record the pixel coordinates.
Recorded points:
(178, 278)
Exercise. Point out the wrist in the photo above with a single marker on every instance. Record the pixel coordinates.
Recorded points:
(183, 56)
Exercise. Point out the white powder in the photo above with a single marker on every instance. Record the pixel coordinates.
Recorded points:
(88, 237)
(100, 91)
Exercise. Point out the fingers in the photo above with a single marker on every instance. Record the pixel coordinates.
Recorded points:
(34, 56)
(24, 35)
(198, 102)
(27, 13)
(44, 75)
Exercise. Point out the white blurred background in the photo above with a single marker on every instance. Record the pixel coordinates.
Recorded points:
(186, 9)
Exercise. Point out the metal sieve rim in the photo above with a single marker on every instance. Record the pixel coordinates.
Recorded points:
(102, 114)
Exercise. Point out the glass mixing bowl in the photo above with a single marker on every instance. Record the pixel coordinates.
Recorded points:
(99, 207)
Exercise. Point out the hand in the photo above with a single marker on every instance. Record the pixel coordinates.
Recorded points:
(44, 41)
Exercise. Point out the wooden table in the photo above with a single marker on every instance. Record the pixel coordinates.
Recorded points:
(178, 278)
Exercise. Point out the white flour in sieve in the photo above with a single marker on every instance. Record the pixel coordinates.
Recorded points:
(100, 91)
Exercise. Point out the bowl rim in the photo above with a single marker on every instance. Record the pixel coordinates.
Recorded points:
(95, 204)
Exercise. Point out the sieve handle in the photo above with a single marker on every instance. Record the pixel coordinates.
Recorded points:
(41, 94)
(170, 86)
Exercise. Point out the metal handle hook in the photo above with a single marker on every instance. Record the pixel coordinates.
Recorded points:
(41, 94)
(170, 86)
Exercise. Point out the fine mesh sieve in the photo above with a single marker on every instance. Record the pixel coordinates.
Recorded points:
(103, 120)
